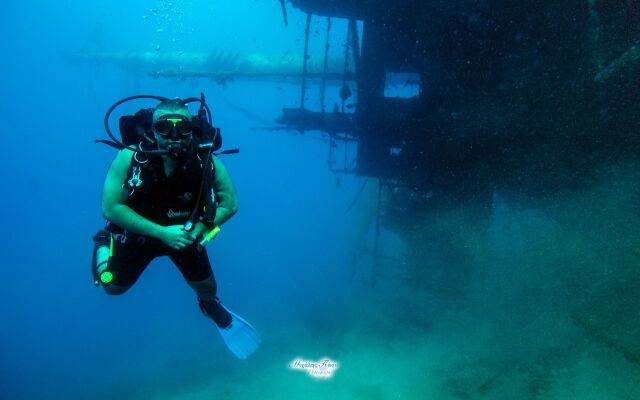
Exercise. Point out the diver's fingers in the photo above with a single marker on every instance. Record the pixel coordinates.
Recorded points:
(189, 236)
(186, 241)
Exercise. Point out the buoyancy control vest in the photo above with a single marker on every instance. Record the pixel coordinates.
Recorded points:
(169, 200)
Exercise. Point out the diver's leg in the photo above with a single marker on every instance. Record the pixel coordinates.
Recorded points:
(122, 259)
(205, 289)
(196, 269)
(239, 336)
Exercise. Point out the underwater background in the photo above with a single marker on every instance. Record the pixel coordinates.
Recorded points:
(544, 304)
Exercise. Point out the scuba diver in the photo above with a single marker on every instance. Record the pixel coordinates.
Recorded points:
(167, 194)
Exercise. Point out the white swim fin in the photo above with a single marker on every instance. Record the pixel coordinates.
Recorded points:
(240, 337)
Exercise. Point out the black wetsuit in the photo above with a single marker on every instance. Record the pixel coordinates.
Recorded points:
(165, 201)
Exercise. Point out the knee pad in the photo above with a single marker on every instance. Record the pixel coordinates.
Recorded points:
(102, 252)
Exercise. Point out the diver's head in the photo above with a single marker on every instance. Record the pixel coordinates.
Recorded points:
(173, 128)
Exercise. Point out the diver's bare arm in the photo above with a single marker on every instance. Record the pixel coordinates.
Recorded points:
(225, 193)
(114, 197)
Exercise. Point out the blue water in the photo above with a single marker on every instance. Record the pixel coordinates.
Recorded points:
(278, 260)
(286, 261)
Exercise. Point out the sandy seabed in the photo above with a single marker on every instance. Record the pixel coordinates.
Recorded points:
(456, 359)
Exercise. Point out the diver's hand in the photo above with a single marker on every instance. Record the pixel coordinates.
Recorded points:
(176, 237)
(200, 229)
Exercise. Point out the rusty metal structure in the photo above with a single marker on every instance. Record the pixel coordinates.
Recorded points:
(524, 98)
(495, 81)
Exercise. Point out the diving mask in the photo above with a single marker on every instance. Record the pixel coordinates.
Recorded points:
(173, 126)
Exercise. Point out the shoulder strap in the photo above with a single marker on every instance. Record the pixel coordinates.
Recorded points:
(133, 180)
